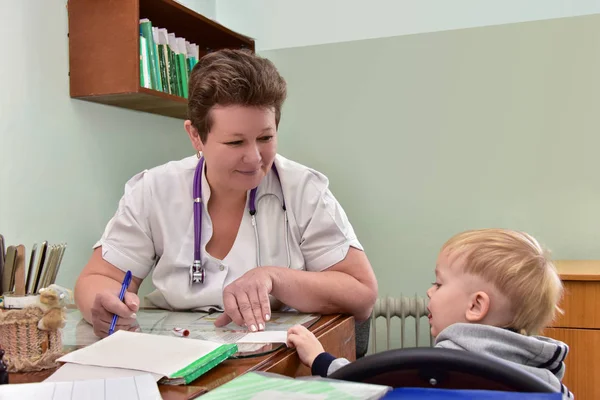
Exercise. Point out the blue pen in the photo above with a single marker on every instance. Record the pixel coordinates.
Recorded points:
(126, 282)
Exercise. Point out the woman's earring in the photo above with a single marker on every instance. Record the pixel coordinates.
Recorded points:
(198, 154)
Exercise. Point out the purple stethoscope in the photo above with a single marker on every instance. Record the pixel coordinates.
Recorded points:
(197, 271)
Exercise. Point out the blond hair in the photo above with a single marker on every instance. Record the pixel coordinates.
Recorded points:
(516, 264)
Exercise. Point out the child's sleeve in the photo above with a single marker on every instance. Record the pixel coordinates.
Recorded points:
(566, 393)
(325, 364)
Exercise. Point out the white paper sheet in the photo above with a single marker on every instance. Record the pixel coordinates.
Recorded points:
(264, 337)
(142, 387)
(79, 372)
(157, 354)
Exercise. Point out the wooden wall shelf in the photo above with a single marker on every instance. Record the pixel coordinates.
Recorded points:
(104, 50)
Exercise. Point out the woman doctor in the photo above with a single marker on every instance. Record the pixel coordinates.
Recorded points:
(233, 225)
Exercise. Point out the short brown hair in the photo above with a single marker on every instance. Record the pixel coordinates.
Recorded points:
(233, 77)
(516, 264)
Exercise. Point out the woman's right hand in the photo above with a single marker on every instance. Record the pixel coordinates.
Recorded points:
(106, 304)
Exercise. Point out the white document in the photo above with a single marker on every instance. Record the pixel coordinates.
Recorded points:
(264, 337)
(142, 387)
(79, 372)
(162, 355)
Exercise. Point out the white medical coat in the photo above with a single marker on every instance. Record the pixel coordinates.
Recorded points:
(154, 228)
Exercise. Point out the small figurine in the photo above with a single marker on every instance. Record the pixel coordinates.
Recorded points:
(53, 300)
(3, 370)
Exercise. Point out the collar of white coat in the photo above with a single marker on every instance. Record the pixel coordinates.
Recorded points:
(205, 186)
(281, 163)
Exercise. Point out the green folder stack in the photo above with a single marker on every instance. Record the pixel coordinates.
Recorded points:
(166, 60)
(199, 367)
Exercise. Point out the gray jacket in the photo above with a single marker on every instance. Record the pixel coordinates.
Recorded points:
(538, 355)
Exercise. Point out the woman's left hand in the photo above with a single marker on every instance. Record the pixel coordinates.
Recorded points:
(246, 300)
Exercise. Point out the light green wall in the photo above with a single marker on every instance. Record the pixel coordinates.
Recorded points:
(208, 8)
(64, 162)
(276, 24)
(427, 135)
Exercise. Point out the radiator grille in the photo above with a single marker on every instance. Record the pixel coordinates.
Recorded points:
(409, 310)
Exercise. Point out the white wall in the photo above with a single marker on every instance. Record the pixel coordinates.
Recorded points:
(279, 24)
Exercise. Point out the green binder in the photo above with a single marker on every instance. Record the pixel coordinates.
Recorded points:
(201, 366)
(152, 49)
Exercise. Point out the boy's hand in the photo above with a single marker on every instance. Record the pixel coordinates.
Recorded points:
(306, 343)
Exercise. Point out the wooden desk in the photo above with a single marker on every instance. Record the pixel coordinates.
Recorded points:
(579, 327)
(335, 332)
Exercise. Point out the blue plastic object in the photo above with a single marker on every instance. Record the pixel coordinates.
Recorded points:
(445, 394)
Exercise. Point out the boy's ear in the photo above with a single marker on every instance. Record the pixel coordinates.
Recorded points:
(479, 305)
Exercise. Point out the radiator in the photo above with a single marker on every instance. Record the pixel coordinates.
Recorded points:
(409, 310)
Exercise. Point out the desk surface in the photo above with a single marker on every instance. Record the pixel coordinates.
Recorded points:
(336, 333)
(578, 270)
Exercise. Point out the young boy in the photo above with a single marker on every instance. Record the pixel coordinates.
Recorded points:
(495, 290)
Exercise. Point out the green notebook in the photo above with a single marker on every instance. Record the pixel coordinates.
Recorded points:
(178, 360)
(252, 386)
(152, 49)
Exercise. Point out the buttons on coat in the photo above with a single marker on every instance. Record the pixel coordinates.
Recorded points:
(221, 267)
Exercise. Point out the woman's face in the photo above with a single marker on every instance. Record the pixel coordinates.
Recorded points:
(240, 147)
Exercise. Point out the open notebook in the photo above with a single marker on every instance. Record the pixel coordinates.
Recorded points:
(142, 387)
(178, 360)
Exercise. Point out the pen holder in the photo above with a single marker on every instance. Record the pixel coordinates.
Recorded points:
(13, 301)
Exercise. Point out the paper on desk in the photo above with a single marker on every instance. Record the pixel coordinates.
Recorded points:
(266, 386)
(264, 337)
(79, 372)
(141, 387)
(279, 395)
(158, 354)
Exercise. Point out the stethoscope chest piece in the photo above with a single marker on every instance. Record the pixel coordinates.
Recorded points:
(197, 272)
